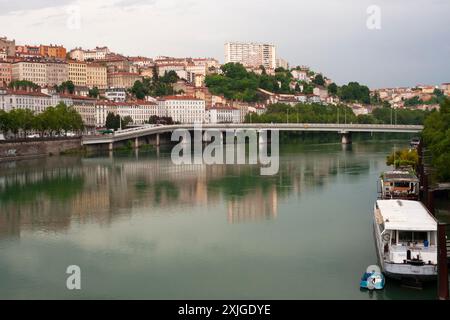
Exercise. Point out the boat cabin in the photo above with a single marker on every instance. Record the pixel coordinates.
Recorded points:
(399, 185)
(406, 236)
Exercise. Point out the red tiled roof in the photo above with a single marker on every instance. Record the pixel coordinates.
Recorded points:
(180, 98)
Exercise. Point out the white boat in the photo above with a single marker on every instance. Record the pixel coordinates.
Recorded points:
(406, 239)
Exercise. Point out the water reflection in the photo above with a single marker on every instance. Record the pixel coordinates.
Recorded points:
(141, 227)
(50, 193)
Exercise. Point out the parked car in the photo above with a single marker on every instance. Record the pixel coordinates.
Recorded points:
(2, 137)
(33, 136)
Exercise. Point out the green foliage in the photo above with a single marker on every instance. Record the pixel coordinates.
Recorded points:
(436, 136)
(94, 92)
(354, 92)
(317, 113)
(155, 86)
(438, 98)
(304, 113)
(67, 87)
(319, 80)
(333, 89)
(403, 158)
(236, 83)
(112, 121)
(53, 120)
(22, 85)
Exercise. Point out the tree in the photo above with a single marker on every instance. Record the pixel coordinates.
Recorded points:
(94, 92)
(319, 80)
(332, 89)
(67, 87)
(436, 136)
(126, 121)
(111, 121)
(403, 158)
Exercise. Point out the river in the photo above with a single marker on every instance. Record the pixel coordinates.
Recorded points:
(140, 227)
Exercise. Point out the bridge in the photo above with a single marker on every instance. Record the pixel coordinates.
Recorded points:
(345, 130)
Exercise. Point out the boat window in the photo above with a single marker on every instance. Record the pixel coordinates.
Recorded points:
(420, 236)
(408, 236)
(405, 236)
(402, 184)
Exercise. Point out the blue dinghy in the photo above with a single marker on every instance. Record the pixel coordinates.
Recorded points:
(372, 279)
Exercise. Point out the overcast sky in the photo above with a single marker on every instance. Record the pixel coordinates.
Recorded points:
(331, 36)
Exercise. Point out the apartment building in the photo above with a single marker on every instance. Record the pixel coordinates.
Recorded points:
(36, 101)
(31, 70)
(78, 72)
(8, 45)
(96, 76)
(251, 54)
(98, 53)
(57, 73)
(123, 79)
(184, 109)
(220, 113)
(139, 111)
(5, 73)
(53, 51)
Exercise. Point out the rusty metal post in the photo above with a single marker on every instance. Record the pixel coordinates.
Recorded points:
(442, 263)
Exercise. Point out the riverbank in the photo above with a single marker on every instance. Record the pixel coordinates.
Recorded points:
(25, 149)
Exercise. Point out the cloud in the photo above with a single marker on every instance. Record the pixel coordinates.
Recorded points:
(328, 35)
(8, 6)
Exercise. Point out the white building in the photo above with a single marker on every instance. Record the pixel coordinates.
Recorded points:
(183, 109)
(300, 75)
(251, 54)
(139, 111)
(116, 94)
(220, 113)
(99, 53)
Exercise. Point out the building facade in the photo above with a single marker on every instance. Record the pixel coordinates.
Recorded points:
(8, 45)
(33, 70)
(251, 54)
(52, 51)
(123, 79)
(5, 73)
(96, 76)
(57, 73)
(78, 72)
(183, 109)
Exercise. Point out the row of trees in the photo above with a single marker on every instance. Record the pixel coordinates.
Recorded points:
(317, 113)
(436, 136)
(115, 121)
(53, 121)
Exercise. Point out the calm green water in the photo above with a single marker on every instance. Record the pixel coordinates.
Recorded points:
(141, 228)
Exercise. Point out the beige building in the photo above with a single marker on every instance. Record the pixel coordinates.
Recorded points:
(57, 73)
(96, 76)
(8, 45)
(5, 73)
(34, 71)
(123, 79)
(78, 73)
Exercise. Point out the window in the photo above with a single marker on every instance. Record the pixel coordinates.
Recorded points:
(409, 236)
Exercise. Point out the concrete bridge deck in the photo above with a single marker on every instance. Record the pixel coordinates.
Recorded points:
(344, 129)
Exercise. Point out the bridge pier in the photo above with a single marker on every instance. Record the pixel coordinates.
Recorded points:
(346, 138)
(157, 140)
(111, 146)
(136, 143)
